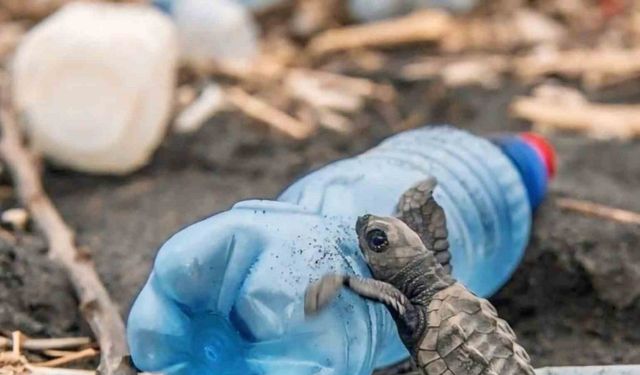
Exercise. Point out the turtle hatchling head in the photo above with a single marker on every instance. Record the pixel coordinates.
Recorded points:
(387, 244)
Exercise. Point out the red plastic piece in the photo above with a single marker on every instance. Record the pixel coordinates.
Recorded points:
(544, 149)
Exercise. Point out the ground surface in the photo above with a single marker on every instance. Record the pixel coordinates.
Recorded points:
(573, 300)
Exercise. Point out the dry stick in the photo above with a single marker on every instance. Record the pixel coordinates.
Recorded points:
(481, 69)
(17, 340)
(599, 210)
(425, 26)
(268, 114)
(604, 62)
(205, 106)
(95, 303)
(35, 370)
(90, 352)
(45, 344)
(57, 353)
(603, 120)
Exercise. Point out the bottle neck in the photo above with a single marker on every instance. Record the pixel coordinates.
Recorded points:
(534, 158)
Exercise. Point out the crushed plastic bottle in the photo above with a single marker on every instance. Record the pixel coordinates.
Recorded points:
(213, 31)
(226, 294)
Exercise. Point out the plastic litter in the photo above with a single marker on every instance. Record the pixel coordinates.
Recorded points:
(374, 10)
(214, 32)
(95, 82)
(226, 294)
(261, 5)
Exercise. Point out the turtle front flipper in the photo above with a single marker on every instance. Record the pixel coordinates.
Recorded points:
(420, 211)
(320, 293)
(382, 292)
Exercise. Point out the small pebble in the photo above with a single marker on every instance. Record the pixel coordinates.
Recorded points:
(16, 218)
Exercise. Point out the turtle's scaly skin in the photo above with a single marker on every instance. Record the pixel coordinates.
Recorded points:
(464, 335)
(419, 210)
(447, 329)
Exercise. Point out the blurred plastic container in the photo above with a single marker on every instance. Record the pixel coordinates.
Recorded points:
(456, 6)
(214, 31)
(374, 10)
(96, 84)
(260, 5)
(226, 294)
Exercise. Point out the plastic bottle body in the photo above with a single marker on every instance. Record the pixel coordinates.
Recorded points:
(226, 294)
(481, 191)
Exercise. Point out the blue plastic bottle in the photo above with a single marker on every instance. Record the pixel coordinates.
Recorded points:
(226, 294)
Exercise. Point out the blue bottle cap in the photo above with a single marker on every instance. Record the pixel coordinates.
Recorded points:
(534, 157)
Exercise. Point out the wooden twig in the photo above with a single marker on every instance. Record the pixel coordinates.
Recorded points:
(566, 110)
(86, 353)
(477, 69)
(36, 370)
(594, 66)
(335, 92)
(205, 106)
(503, 32)
(16, 338)
(264, 112)
(46, 344)
(57, 353)
(425, 26)
(599, 210)
(95, 303)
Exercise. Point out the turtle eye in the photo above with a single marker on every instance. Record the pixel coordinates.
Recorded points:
(377, 240)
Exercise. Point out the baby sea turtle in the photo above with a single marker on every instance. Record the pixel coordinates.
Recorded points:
(447, 329)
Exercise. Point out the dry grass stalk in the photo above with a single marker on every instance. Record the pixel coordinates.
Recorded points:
(330, 91)
(503, 32)
(482, 70)
(424, 26)
(206, 105)
(71, 357)
(595, 66)
(335, 121)
(266, 113)
(16, 340)
(46, 344)
(35, 370)
(95, 303)
(597, 120)
(55, 353)
(599, 210)
(555, 107)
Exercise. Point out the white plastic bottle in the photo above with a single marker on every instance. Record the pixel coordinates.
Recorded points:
(95, 83)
